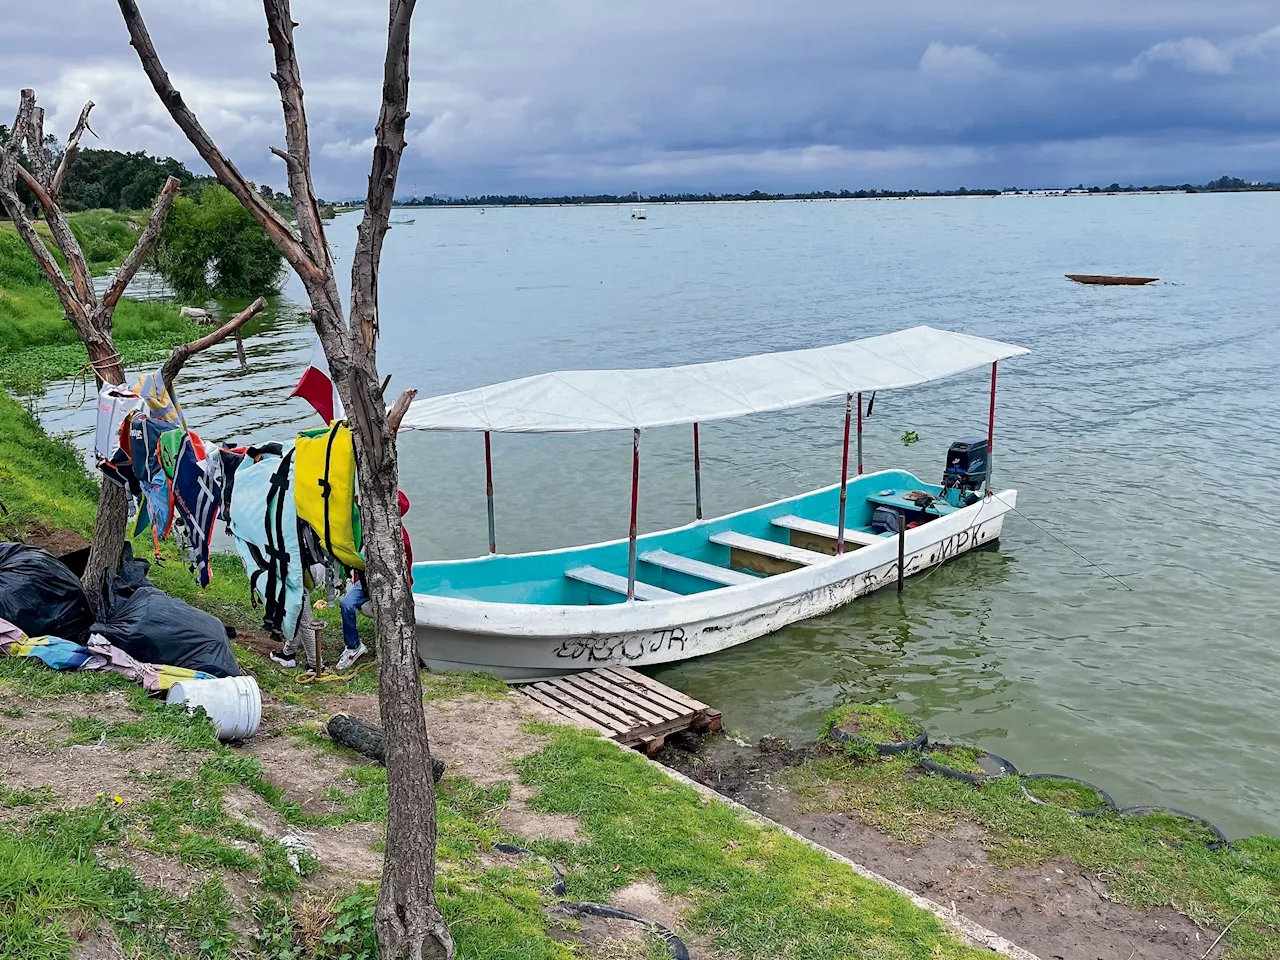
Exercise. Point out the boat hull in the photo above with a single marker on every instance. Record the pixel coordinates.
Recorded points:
(527, 641)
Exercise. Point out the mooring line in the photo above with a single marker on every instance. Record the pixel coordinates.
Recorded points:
(1064, 543)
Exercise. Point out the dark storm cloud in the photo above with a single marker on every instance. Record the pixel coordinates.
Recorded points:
(721, 94)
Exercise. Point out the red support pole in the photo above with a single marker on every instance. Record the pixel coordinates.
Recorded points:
(635, 504)
(844, 469)
(697, 475)
(991, 425)
(488, 490)
(859, 433)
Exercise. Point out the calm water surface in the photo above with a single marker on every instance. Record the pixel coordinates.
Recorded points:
(1142, 431)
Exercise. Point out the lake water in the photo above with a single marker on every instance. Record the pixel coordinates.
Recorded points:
(1142, 432)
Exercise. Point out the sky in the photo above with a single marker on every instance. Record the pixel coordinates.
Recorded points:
(571, 96)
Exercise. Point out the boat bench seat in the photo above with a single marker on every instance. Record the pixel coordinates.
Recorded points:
(768, 548)
(696, 568)
(830, 531)
(605, 580)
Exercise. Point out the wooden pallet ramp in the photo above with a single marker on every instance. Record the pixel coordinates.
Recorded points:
(623, 705)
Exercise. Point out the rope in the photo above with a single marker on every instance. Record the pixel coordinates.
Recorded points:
(1053, 536)
(92, 366)
(307, 677)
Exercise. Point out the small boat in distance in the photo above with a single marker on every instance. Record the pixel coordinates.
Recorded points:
(400, 223)
(637, 213)
(717, 582)
(1106, 281)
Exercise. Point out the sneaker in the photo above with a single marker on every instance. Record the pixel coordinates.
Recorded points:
(284, 659)
(350, 656)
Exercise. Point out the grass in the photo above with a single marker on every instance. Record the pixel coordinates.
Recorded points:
(1152, 861)
(42, 478)
(1065, 793)
(863, 726)
(960, 759)
(38, 343)
(756, 892)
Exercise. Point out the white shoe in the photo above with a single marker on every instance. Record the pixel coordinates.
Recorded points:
(350, 656)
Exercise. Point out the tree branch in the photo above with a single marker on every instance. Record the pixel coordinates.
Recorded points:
(142, 249)
(73, 145)
(294, 251)
(182, 353)
(387, 150)
(288, 79)
(398, 410)
(30, 127)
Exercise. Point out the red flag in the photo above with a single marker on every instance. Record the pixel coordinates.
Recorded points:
(316, 387)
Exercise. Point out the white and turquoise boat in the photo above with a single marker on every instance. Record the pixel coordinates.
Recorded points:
(714, 583)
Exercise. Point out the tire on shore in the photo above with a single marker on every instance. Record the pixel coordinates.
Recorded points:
(1108, 804)
(1002, 767)
(368, 739)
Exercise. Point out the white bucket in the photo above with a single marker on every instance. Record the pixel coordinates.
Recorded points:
(234, 704)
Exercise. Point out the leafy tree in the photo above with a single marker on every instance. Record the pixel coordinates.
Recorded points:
(118, 181)
(213, 247)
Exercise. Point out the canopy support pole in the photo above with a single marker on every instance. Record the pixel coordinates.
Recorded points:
(859, 433)
(844, 468)
(635, 503)
(488, 491)
(697, 475)
(991, 424)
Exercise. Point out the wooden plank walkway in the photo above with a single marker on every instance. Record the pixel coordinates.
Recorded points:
(623, 705)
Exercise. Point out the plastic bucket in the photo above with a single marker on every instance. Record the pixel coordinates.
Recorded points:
(234, 704)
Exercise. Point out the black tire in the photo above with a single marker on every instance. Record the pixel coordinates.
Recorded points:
(1219, 843)
(883, 749)
(1006, 769)
(675, 946)
(1108, 804)
(368, 739)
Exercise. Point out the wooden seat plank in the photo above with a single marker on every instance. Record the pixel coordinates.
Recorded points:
(596, 577)
(830, 531)
(696, 568)
(765, 556)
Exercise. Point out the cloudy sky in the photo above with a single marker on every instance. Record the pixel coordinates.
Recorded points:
(577, 96)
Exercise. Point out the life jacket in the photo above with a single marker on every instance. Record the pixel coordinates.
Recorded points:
(325, 490)
(264, 522)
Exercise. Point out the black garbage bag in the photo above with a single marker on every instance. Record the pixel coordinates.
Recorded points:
(40, 596)
(151, 626)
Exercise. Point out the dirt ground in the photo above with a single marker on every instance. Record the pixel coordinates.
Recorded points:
(1057, 910)
(478, 738)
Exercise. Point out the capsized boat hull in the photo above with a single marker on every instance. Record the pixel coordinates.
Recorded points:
(530, 641)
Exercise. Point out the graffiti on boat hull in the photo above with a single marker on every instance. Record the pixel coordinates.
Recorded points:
(622, 648)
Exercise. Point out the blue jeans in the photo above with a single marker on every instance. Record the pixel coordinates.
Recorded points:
(350, 602)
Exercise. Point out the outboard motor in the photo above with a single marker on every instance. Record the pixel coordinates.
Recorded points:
(967, 470)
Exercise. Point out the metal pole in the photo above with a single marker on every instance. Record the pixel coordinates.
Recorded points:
(697, 475)
(991, 425)
(635, 503)
(859, 433)
(488, 490)
(902, 548)
(844, 470)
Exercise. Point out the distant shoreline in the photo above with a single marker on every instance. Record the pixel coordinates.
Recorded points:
(707, 201)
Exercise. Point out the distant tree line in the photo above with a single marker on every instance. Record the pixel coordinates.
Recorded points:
(1221, 185)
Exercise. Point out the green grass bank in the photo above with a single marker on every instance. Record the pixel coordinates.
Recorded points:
(37, 343)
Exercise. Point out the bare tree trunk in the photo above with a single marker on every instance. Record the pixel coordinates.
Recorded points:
(407, 921)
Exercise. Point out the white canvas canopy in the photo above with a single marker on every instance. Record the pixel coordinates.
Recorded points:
(581, 401)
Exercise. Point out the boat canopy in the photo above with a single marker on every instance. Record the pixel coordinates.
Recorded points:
(584, 401)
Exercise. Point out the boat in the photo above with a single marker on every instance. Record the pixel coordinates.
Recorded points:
(401, 223)
(1107, 281)
(637, 213)
(714, 582)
